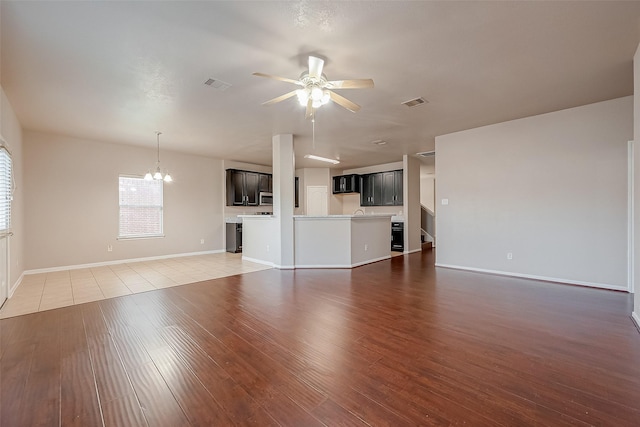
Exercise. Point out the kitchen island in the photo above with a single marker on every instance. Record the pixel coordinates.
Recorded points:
(332, 241)
(341, 241)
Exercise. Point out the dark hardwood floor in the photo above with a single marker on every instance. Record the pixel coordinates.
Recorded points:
(395, 343)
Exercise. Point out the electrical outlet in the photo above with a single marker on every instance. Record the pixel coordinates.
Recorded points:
(509, 255)
(202, 241)
(109, 248)
(267, 248)
(366, 247)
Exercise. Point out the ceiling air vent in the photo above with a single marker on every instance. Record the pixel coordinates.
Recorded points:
(426, 154)
(217, 84)
(414, 102)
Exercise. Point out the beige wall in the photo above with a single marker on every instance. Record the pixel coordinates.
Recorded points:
(71, 202)
(550, 189)
(11, 132)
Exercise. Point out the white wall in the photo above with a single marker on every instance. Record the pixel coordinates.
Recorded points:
(71, 202)
(551, 189)
(11, 132)
(411, 200)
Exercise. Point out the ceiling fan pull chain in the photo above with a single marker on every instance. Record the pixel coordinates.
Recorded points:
(313, 125)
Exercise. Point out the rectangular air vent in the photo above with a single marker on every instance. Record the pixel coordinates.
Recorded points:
(426, 154)
(414, 102)
(218, 84)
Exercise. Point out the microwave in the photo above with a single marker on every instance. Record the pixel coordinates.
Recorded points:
(266, 199)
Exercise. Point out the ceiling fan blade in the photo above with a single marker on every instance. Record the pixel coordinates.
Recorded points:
(344, 102)
(315, 67)
(280, 98)
(309, 113)
(282, 79)
(350, 84)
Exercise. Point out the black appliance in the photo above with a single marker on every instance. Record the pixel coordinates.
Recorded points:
(234, 237)
(397, 236)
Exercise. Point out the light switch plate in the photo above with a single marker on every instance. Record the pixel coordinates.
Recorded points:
(445, 201)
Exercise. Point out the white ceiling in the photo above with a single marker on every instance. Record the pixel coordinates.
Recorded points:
(119, 71)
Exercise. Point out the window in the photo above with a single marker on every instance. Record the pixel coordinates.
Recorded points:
(140, 208)
(6, 190)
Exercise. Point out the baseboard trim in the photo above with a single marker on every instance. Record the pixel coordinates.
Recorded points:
(293, 267)
(258, 261)
(413, 251)
(120, 261)
(13, 288)
(357, 264)
(534, 277)
(636, 320)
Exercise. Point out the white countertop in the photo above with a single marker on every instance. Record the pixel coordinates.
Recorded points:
(238, 219)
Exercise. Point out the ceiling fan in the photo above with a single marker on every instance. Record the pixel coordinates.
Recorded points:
(317, 90)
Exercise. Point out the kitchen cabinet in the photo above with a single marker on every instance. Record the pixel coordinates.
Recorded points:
(392, 188)
(266, 183)
(346, 184)
(371, 189)
(381, 189)
(243, 188)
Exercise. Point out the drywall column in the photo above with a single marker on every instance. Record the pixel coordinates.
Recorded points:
(283, 200)
(411, 197)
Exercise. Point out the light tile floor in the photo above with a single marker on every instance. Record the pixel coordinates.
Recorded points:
(46, 291)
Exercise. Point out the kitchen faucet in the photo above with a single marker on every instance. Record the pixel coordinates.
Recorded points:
(358, 210)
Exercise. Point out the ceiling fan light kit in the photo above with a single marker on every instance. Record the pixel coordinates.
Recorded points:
(157, 175)
(318, 97)
(317, 90)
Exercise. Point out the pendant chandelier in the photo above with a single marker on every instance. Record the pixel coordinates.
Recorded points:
(157, 175)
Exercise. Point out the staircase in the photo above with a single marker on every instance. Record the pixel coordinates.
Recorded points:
(427, 227)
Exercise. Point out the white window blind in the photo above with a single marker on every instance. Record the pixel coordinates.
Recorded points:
(6, 190)
(140, 208)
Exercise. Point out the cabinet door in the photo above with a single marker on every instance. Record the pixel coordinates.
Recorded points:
(265, 183)
(337, 184)
(398, 188)
(366, 189)
(388, 188)
(377, 189)
(235, 188)
(252, 186)
(352, 184)
(371, 191)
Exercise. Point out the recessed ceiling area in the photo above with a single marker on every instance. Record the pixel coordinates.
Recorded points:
(119, 71)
